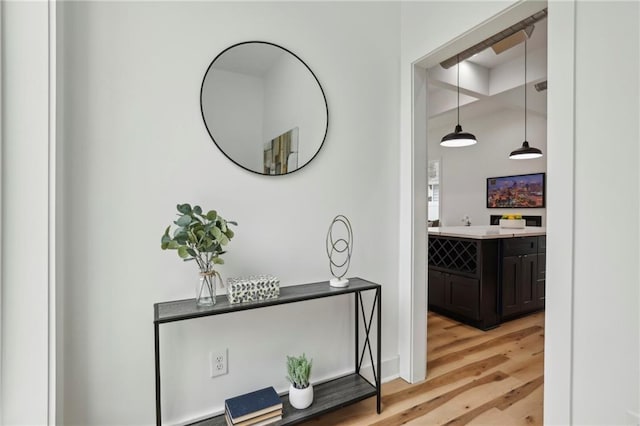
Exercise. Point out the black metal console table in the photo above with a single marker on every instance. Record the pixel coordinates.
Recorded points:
(328, 396)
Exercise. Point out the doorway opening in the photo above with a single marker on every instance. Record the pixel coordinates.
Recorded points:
(496, 108)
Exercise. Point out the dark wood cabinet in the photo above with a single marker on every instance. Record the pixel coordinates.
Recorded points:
(484, 281)
(463, 280)
(519, 284)
(463, 296)
(510, 278)
(522, 288)
(542, 267)
(436, 288)
(454, 293)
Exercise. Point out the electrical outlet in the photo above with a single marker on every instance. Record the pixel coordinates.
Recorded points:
(218, 363)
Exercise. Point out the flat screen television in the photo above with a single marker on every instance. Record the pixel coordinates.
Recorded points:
(519, 191)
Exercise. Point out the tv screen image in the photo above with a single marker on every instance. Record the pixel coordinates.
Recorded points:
(519, 191)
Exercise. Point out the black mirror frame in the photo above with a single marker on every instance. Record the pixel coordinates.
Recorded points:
(324, 97)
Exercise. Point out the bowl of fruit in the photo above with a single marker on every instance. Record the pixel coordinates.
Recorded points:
(512, 221)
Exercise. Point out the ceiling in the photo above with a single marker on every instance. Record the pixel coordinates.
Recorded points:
(490, 82)
(488, 59)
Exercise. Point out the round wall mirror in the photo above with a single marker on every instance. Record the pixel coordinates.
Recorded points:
(264, 108)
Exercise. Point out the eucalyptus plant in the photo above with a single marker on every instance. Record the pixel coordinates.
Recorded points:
(299, 370)
(198, 236)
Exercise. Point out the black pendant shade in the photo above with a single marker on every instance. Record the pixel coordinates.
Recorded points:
(525, 152)
(458, 138)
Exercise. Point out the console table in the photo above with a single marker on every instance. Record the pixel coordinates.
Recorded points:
(328, 396)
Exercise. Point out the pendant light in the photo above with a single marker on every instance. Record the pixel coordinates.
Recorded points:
(525, 152)
(458, 138)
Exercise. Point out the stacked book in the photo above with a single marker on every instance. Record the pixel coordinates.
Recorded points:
(261, 407)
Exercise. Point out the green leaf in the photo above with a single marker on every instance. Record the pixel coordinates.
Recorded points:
(164, 245)
(181, 236)
(216, 232)
(184, 208)
(191, 252)
(182, 252)
(223, 240)
(197, 210)
(212, 215)
(184, 220)
(173, 245)
(218, 261)
(232, 222)
(229, 233)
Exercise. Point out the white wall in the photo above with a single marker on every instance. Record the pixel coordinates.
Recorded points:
(464, 178)
(135, 146)
(606, 281)
(25, 214)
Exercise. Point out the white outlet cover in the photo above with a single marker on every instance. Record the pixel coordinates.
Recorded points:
(218, 363)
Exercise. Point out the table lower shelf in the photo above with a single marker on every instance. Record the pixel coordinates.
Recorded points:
(327, 397)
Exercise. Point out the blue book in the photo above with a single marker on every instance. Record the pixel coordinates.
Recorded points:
(252, 404)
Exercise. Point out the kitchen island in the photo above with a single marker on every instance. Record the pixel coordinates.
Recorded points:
(484, 275)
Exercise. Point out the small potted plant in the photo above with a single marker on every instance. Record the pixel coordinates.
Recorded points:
(200, 237)
(300, 390)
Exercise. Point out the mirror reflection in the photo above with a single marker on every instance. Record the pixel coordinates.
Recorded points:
(264, 108)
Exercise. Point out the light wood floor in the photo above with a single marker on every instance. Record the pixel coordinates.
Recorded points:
(474, 377)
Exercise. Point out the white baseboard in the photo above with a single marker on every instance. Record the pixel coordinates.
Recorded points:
(390, 370)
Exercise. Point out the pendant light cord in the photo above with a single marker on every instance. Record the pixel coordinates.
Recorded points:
(525, 89)
(458, 85)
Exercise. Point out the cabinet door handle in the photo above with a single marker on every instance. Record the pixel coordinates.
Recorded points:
(525, 255)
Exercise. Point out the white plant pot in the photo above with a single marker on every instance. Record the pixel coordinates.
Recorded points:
(300, 398)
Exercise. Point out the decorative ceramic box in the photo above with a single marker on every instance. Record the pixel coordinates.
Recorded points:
(260, 287)
(512, 223)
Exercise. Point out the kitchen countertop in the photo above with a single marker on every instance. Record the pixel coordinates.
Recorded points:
(487, 231)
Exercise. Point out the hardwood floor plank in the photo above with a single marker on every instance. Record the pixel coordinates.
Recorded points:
(527, 411)
(503, 402)
(465, 335)
(425, 407)
(507, 338)
(473, 369)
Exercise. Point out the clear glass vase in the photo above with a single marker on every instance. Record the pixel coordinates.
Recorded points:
(206, 288)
